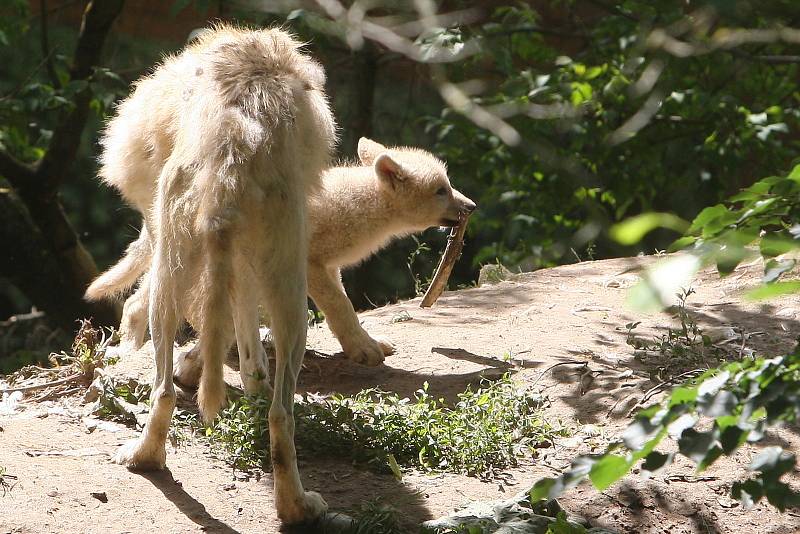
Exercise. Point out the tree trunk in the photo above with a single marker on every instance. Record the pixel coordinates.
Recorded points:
(357, 124)
(47, 279)
(47, 260)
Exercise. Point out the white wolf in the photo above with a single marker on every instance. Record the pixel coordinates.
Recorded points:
(220, 148)
(358, 210)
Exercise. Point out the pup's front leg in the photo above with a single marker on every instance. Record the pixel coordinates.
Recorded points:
(326, 289)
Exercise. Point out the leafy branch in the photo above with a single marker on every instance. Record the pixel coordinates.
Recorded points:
(760, 220)
(741, 398)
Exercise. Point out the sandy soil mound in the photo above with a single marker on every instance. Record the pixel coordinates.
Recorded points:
(562, 329)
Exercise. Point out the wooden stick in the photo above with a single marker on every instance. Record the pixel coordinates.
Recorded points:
(455, 242)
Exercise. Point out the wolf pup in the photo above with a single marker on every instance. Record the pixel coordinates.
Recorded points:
(219, 148)
(357, 211)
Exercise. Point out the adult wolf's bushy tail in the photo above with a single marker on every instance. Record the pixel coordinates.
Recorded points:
(125, 273)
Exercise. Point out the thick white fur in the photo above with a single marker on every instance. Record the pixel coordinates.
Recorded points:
(220, 148)
(357, 211)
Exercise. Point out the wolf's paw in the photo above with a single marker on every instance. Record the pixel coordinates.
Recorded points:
(139, 455)
(366, 351)
(306, 510)
(188, 367)
(386, 345)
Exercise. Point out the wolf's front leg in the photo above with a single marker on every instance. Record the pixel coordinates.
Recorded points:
(325, 287)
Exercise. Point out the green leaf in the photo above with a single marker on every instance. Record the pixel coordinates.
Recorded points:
(749, 493)
(755, 191)
(581, 92)
(775, 289)
(795, 174)
(729, 257)
(682, 243)
(773, 460)
(721, 403)
(696, 445)
(711, 385)
(393, 465)
(607, 470)
(777, 243)
(656, 461)
(562, 526)
(682, 395)
(638, 433)
(708, 214)
(632, 230)
(731, 438)
(542, 490)
(773, 269)
(710, 457)
(660, 283)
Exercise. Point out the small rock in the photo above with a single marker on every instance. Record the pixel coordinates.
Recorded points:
(591, 430)
(228, 487)
(100, 496)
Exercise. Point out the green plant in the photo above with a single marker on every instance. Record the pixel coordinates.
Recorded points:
(375, 517)
(517, 514)
(420, 248)
(680, 349)
(487, 428)
(562, 526)
(739, 399)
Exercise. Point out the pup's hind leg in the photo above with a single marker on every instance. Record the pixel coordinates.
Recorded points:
(133, 326)
(149, 451)
(253, 364)
(287, 308)
(216, 333)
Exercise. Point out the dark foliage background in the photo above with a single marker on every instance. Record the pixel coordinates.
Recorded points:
(609, 120)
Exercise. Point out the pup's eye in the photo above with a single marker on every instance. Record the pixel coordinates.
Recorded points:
(441, 191)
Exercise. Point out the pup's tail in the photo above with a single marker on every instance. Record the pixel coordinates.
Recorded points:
(125, 273)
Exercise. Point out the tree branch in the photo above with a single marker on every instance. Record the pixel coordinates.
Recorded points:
(614, 10)
(19, 174)
(95, 26)
(47, 54)
(768, 59)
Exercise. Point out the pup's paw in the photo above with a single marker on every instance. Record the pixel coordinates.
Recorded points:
(139, 455)
(187, 368)
(366, 351)
(307, 510)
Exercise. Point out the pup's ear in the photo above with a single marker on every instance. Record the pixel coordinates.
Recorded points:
(368, 150)
(388, 170)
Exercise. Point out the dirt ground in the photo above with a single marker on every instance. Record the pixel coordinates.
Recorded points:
(66, 484)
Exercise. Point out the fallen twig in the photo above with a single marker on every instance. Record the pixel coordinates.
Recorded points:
(56, 393)
(568, 362)
(650, 393)
(455, 242)
(689, 478)
(44, 385)
(86, 451)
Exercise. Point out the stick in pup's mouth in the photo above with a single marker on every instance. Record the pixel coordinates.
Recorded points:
(455, 242)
